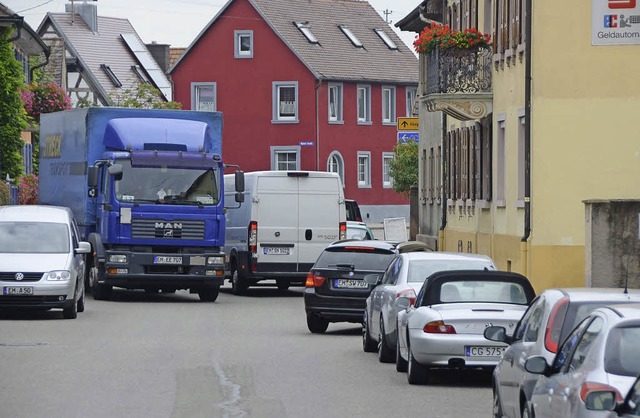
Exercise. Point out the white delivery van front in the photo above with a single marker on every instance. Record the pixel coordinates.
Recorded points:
(286, 220)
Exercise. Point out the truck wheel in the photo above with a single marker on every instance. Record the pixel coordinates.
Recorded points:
(100, 291)
(238, 285)
(209, 294)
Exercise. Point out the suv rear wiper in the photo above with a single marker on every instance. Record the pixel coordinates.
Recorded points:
(344, 266)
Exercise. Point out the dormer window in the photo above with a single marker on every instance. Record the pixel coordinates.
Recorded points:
(347, 32)
(385, 38)
(306, 31)
(111, 75)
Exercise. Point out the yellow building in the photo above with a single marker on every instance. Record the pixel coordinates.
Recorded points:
(561, 100)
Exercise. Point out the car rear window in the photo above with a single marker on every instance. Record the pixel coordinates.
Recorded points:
(621, 355)
(33, 237)
(364, 259)
(482, 291)
(419, 270)
(578, 311)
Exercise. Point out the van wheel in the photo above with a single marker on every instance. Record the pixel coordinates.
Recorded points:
(70, 311)
(317, 324)
(238, 284)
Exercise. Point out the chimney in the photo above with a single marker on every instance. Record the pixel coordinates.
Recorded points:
(87, 11)
(160, 53)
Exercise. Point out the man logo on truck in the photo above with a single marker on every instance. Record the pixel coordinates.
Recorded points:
(168, 225)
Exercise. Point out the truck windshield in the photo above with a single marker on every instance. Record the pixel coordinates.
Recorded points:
(172, 186)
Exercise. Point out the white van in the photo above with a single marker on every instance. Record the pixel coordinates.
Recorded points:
(286, 220)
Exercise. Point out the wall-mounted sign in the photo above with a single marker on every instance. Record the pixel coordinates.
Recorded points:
(408, 137)
(407, 124)
(615, 22)
(307, 143)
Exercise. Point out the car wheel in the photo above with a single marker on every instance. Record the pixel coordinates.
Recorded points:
(317, 324)
(527, 411)
(497, 407)
(368, 344)
(100, 291)
(417, 374)
(385, 353)
(209, 293)
(401, 364)
(238, 285)
(81, 302)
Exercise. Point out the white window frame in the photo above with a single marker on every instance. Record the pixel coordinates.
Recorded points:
(387, 178)
(276, 150)
(411, 96)
(337, 89)
(388, 105)
(305, 29)
(365, 110)
(501, 161)
(386, 39)
(351, 36)
(276, 116)
(335, 164)
(237, 44)
(195, 95)
(364, 169)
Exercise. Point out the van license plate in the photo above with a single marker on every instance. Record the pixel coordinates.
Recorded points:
(276, 250)
(161, 259)
(15, 290)
(350, 284)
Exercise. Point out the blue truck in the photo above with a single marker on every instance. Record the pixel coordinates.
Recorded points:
(146, 187)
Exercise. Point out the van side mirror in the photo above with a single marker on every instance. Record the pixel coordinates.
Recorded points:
(116, 171)
(239, 178)
(93, 176)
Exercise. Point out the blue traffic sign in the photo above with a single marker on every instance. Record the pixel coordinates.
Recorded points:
(408, 137)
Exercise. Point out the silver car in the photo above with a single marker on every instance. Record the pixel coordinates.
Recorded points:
(42, 261)
(444, 329)
(551, 316)
(403, 278)
(600, 355)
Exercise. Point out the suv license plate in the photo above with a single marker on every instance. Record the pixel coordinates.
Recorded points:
(481, 351)
(276, 250)
(161, 259)
(350, 284)
(15, 290)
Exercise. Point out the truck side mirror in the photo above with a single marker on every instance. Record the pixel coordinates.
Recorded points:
(93, 176)
(239, 177)
(116, 171)
(239, 197)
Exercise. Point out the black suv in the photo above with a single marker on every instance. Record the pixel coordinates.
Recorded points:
(335, 290)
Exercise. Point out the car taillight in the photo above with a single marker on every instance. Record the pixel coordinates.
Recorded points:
(314, 280)
(438, 327)
(343, 231)
(590, 387)
(253, 236)
(409, 294)
(554, 325)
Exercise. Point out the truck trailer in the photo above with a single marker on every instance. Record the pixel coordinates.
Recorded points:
(147, 189)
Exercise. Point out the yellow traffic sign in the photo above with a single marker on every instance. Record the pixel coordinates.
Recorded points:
(407, 124)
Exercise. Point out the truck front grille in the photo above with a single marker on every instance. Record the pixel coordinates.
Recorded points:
(174, 230)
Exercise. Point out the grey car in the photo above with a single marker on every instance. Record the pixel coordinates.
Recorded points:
(600, 355)
(42, 259)
(551, 316)
(403, 278)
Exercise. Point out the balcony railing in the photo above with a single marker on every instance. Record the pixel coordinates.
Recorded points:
(455, 70)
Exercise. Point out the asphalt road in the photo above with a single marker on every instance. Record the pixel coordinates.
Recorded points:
(173, 356)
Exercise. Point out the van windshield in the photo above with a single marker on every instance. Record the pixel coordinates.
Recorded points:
(34, 238)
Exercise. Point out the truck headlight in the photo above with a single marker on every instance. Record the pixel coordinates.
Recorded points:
(59, 275)
(117, 258)
(215, 260)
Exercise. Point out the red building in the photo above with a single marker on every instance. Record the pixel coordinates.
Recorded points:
(305, 85)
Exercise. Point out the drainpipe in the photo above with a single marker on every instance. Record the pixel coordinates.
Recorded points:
(317, 88)
(444, 174)
(527, 135)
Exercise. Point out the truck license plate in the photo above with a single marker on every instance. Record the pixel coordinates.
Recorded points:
(161, 259)
(15, 290)
(276, 250)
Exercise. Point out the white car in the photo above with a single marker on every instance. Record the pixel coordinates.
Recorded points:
(444, 328)
(42, 259)
(404, 278)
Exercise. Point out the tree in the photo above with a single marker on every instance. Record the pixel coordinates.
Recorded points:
(142, 96)
(404, 167)
(13, 119)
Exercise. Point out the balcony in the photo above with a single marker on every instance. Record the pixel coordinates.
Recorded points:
(458, 82)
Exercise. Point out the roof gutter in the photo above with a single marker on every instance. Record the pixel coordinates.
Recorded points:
(527, 117)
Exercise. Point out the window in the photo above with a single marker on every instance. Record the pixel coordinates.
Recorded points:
(139, 72)
(582, 349)
(388, 105)
(364, 169)
(412, 94)
(306, 31)
(501, 161)
(355, 41)
(387, 179)
(243, 44)
(487, 163)
(335, 164)
(111, 75)
(285, 102)
(386, 39)
(203, 97)
(364, 104)
(335, 102)
(285, 158)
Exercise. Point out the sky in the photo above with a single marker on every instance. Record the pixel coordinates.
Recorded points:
(187, 18)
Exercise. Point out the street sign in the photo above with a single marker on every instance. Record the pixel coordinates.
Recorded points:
(306, 143)
(408, 137)
(407, 124)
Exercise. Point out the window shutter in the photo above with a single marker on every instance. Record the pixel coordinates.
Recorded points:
(474, 13)
(458, 151)
(465, 162)
(478, 159)
(487, 167)
(496, 26)
(505, 25)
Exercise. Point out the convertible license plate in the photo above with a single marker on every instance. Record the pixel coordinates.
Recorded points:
(277, 250)
(350, 284)
(162, 259)
(482, 351)
(17, 290)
